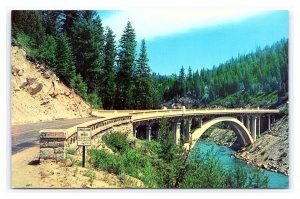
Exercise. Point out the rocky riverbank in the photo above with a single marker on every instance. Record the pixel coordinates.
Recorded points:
(270, 151)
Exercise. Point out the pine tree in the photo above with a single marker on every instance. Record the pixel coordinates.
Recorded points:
(65, 67)
(108, 79)
(52, 21)
(88, 42)
(181, 82)
(126, 60)
(70, 18)
(28, 22)
(144, 91)
(189, 81)
(47, 51)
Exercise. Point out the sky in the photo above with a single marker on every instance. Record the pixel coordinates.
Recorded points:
(198, 38)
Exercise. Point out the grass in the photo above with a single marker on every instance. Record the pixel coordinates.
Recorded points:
(90, 174)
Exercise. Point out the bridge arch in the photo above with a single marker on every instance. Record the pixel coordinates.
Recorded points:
(243, 135)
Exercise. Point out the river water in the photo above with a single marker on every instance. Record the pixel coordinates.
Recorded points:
(224, 154)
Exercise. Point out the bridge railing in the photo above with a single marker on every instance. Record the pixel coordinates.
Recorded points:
(135, 112)
(97, 126)
(154, 114)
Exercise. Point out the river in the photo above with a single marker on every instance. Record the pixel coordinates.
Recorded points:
(224, 154)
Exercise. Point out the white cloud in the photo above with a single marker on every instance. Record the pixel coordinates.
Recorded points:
(150, 24)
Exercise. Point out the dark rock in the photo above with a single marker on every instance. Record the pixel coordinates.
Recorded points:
(24, 84)
(30, 80)
(45, 102)
(46, 75)
(36, 89)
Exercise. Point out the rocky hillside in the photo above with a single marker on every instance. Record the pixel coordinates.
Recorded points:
(38, 95)
(271, 150)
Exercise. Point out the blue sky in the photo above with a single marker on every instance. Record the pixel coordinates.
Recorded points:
(198, 38)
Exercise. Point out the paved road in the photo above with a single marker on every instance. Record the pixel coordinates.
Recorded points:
(27, 135)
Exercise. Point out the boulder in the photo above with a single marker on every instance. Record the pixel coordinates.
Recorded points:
(36, 89)
(46, 75)
(67, 93)
(20, 72)
(30, 80)
(14, 71)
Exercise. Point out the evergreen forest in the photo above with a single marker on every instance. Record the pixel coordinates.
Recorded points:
(111, 74)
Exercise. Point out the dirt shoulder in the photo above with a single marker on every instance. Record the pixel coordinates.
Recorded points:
(53, 175)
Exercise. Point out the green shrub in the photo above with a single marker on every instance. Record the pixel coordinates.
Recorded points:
(132, 162)
(105, 161)
(26, 42)
(236, 178)
(204, 173)
(258, 179)
(117, 141)
(71, 150)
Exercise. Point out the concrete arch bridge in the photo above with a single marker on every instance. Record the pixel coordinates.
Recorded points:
(188, 123)
(246, 123)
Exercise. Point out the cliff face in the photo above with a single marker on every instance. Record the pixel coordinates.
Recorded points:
(38, 95)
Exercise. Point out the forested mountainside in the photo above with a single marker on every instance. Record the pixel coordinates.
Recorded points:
(112, 75)
(256, 78)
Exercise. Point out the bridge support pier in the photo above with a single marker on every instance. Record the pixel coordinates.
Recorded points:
(241, 118)
(156, 134)
(134, 131)
(253, 127)
(258, 126)
(200, 120)
(148, 132)
(248, 122)
(176, 130)
(188, 130)
(269, 122)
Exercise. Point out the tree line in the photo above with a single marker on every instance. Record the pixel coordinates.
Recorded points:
(86, 56)
(112, 75)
